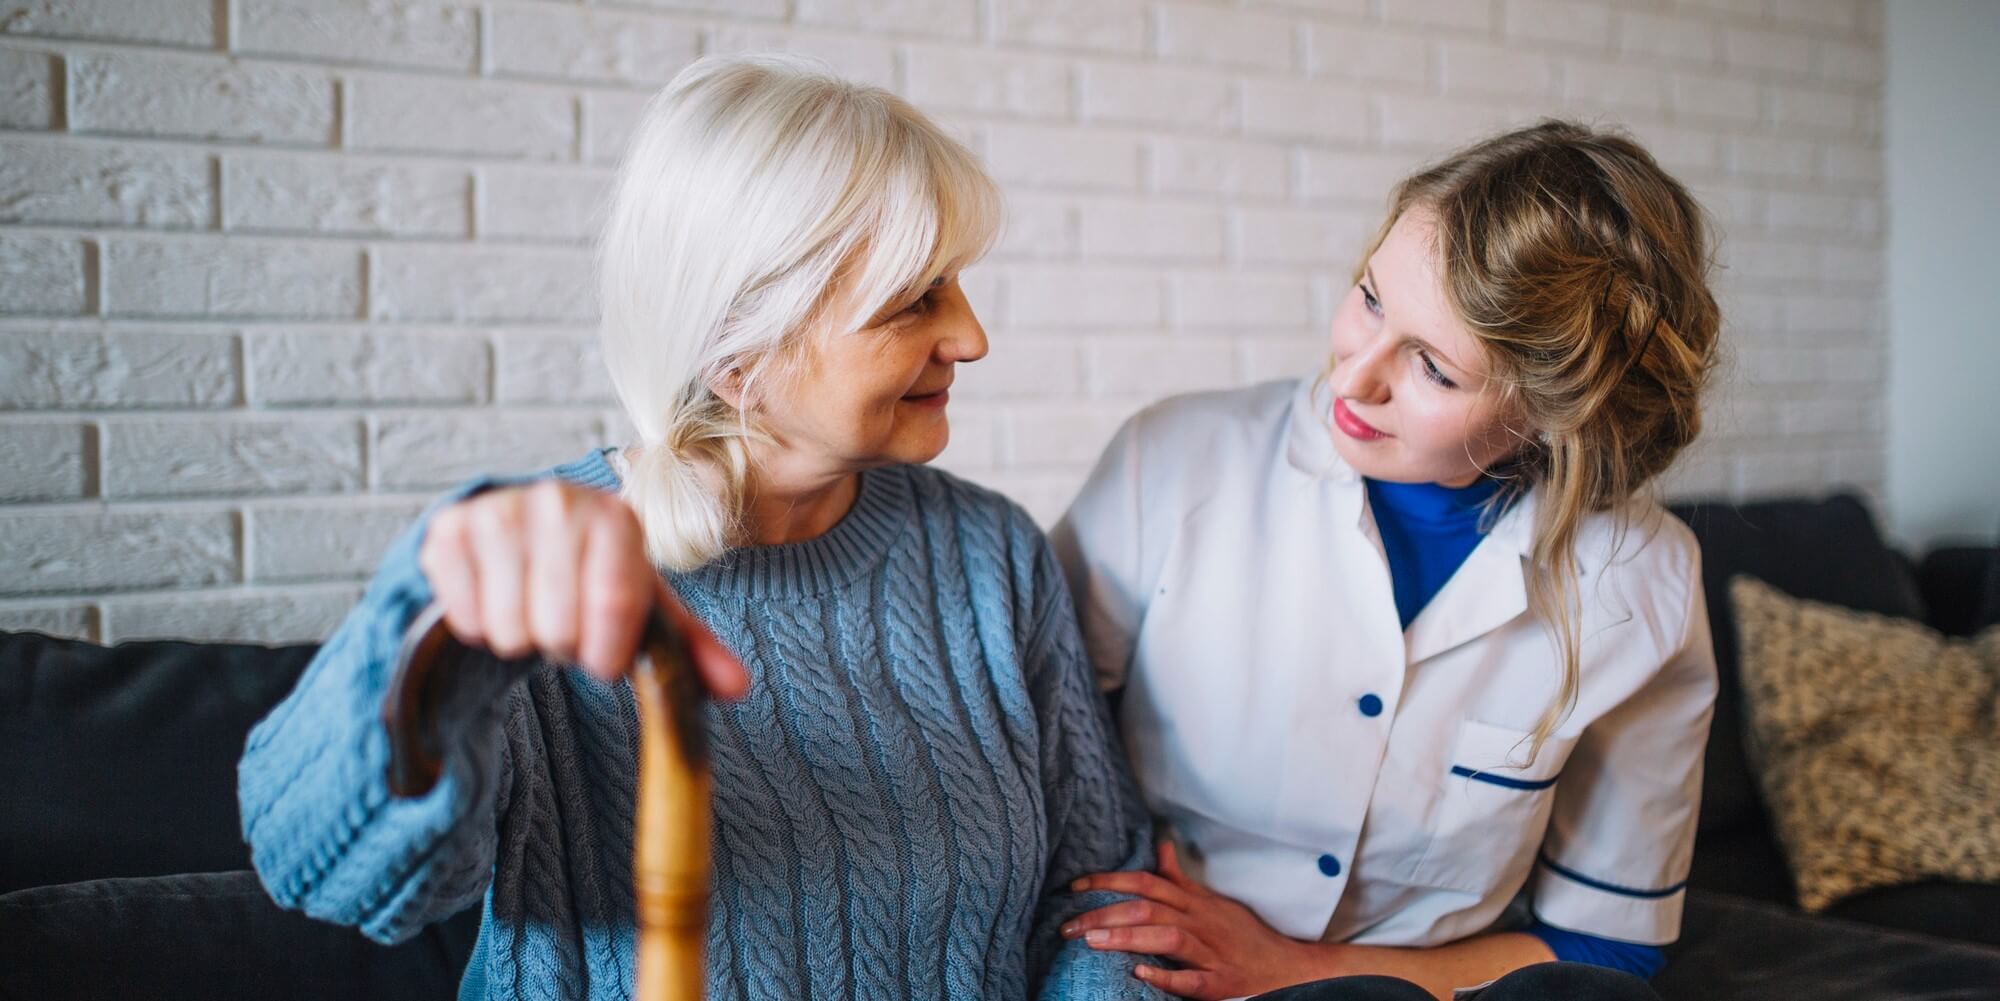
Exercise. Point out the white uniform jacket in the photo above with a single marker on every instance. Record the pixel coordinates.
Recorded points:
(1352, 781)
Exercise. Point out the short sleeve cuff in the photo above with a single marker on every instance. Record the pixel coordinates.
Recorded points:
(1579, 901)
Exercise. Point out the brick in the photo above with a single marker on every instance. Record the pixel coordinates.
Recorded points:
(1105, 25)
(1262, 359)
(1625, 86)
(1037, 227)
(1667, 37)
(1798, 108)
(968, 79)
(551, 367)
(1169, 96)
(974, 438)
(738, 8)
(1338, 8)
(434, 451)
(47, 462)
(319, 367)
(1860, 164)
(426, 114)
(1241, 300)
(949, 18)
(1703, 96)
(477, 284)
(395, 33)
(527, 203)
(1433, 122)
(209, 278)
(64, 621)
(1044, 493)
(275, 616)
(1352, 52)
(1820, 314)
(1771, 155)
(315, 540)
(43, 275)
(90, 550)
(1842, 14)
(609, 119)
(1585, 25)
(1192, 33)
(1772, 51)
(1066, 435)
(1680, 149)
(863, 60)
(1060, 298)
(76, 184)
(1313, 111)
(1834, 214)
(1022, 367)
(90, 369)
(1475, 68)
(162, 22)
(1467, 15)
(1759, 259)
(1153, 367)
(1039, 156)
(131, 93)
(1849, 62)
(27, 89)
(589, 45)
(1852, 264)
(1218, 166)
(1150, 231)
(216, 457)
(344, 195)
(1304, 237)
(1361, 178)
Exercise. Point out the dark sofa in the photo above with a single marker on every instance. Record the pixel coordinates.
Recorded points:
(122, 874)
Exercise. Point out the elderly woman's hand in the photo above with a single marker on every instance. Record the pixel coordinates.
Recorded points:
(560, 570)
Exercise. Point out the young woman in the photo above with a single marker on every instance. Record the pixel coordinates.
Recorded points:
(1402, 644)
(915, 764)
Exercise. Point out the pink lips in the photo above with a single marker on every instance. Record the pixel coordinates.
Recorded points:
(1352, 426)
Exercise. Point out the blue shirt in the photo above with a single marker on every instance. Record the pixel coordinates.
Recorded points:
(1427, 532)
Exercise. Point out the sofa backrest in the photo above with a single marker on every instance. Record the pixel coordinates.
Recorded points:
(1827, 550)
(121, 761)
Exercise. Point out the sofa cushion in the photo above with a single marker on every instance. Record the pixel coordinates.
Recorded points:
(212, 936)
(121, 761)
(1824, 550)
(1876, 742)
(1733, 949)
(1944, 908)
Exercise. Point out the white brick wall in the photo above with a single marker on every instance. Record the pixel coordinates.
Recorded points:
(273, 272)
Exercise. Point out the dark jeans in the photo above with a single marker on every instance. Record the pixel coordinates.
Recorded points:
(1541, 982)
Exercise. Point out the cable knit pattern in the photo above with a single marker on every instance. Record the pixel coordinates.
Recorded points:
(921, 767)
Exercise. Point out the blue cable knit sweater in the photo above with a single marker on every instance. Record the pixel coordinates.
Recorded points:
(921, 767)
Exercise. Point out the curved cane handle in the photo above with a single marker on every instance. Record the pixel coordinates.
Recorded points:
(670, 863)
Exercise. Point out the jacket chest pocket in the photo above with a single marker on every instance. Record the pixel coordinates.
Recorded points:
(1492, 808)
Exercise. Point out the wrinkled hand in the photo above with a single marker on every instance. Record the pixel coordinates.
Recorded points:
(1223, 948)
(560, 570)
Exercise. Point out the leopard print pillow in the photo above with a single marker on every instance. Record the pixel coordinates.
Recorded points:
(1877, 741)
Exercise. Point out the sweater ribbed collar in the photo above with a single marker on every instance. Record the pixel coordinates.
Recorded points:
(883, 509)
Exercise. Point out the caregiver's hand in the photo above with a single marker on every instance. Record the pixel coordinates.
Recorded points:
(560, 570)
(1224, 949)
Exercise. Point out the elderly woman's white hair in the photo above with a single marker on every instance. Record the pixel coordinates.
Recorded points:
(761, 198)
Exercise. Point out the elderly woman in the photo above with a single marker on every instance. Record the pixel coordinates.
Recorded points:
(911, 761)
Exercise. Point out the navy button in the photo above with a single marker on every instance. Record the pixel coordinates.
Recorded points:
(1371, 705)
(1329, 865)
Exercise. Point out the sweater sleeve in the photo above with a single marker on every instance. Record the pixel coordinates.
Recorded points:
(1100, 545)
(325, 835)
(1644, 961)
(1096, 821)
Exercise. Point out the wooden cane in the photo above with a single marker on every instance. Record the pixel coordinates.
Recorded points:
(670, 863)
